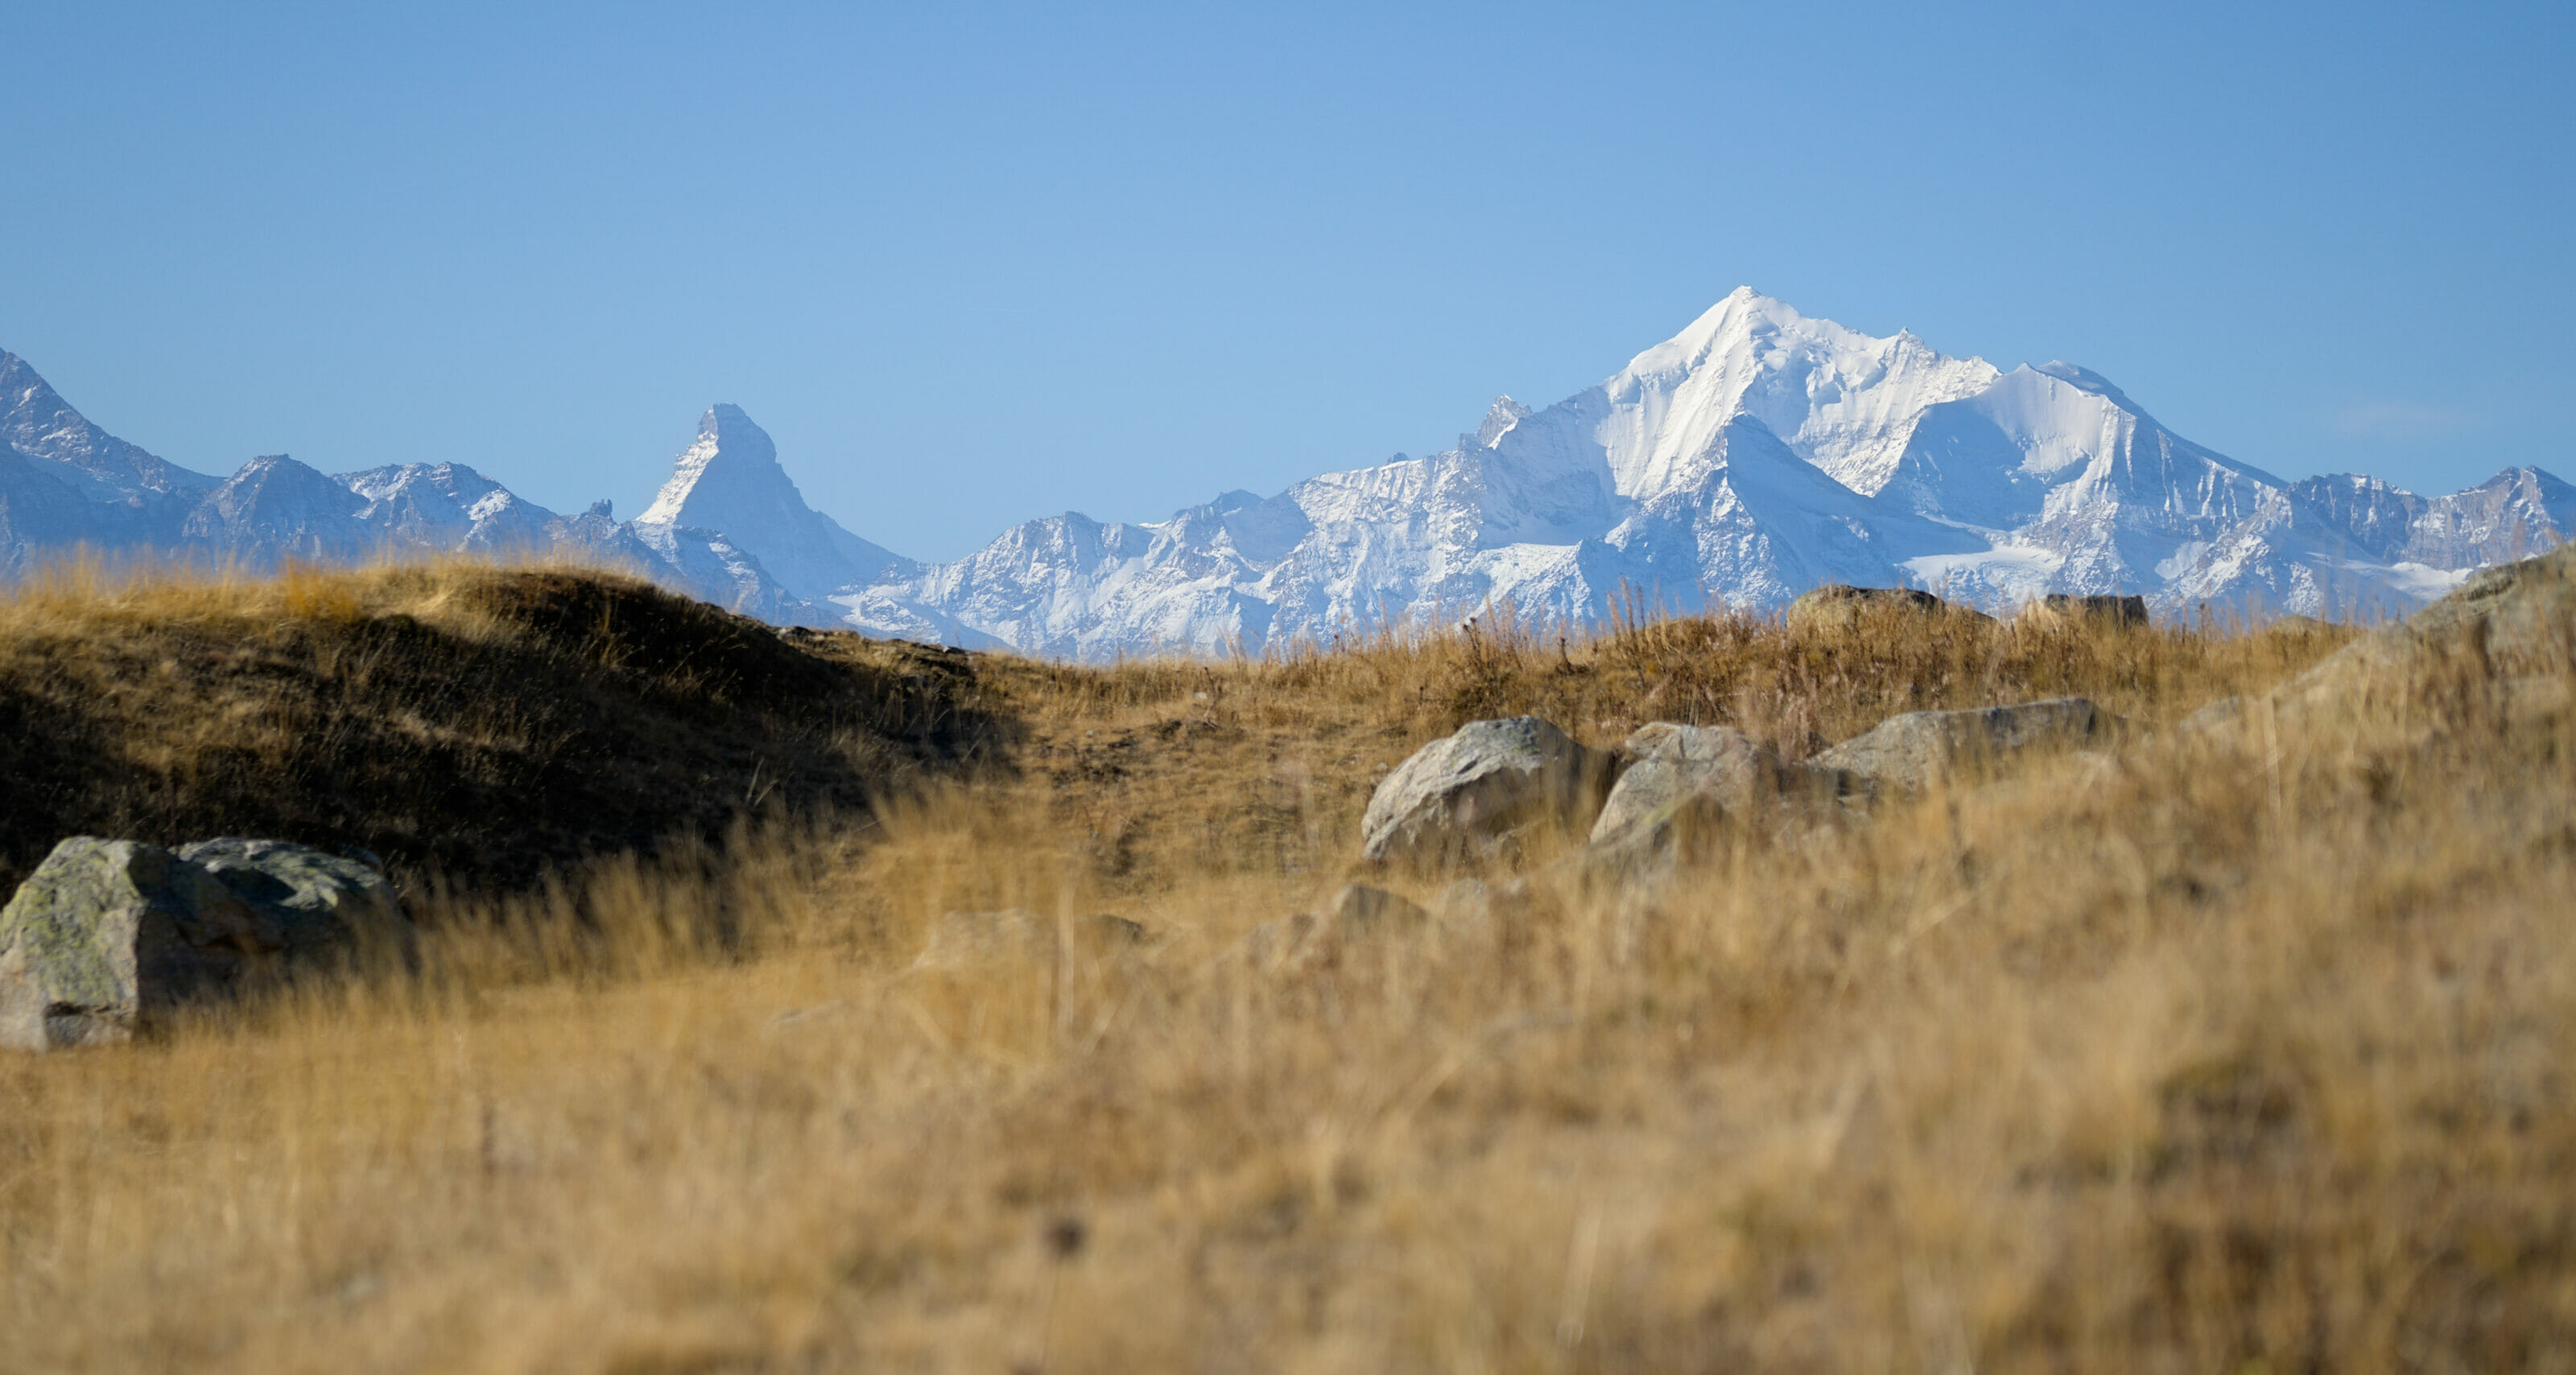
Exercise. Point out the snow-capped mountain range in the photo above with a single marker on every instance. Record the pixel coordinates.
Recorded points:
(66, 484)
(1752, 456)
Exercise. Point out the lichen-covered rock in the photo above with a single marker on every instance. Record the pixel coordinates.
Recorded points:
(1920, 748)
(1460, 798)
(316, 902)
(106, 934)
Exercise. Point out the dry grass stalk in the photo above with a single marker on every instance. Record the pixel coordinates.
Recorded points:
(2229, 1058)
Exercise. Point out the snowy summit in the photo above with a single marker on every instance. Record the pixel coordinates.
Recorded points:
(1754, 455)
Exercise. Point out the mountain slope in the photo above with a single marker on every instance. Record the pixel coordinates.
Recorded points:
(1750, 457)
(66, 484)
(730, 480)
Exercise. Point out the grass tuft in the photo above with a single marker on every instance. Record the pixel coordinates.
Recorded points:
(2244, 1052)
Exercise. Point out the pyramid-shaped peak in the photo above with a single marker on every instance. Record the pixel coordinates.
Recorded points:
(34, 415)
(730, 480)
(729, 451)
(728, 428)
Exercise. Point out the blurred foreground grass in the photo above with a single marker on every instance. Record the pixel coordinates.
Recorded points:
(2249, 1054)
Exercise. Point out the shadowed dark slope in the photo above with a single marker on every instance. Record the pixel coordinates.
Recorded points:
(484, 724)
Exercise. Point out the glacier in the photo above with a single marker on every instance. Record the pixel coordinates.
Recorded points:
(1754, 455)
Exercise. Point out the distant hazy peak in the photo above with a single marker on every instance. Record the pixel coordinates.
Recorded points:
(36, 421)
(730, 480)
(725, 423)
(1499, 420)
(730, 452)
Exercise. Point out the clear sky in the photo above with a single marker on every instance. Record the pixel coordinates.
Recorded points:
(971, 264)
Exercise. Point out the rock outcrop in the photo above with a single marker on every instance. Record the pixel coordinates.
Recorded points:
(1843, 605)
(1913, 751)
(1673, 767)
(1464, 797)
(2507, 637)
(1682, 782)
(2120, 611)
(106, 935)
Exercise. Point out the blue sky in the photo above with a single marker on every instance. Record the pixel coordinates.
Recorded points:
(971, 264)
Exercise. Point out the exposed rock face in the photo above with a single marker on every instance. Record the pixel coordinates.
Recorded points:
(1920, 748)
(1460, 798)
(106, 934)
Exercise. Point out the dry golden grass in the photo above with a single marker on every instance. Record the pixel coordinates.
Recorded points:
(466, 721)
(2234, 1058)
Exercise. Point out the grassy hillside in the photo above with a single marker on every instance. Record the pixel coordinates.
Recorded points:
(462, 721)
(2248, 1053)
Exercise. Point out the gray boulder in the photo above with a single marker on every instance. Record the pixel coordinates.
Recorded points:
(106, 935)
(1671, 767)
(1683, 780)
(315, 902)
(1920, 748)
(1465, 797)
